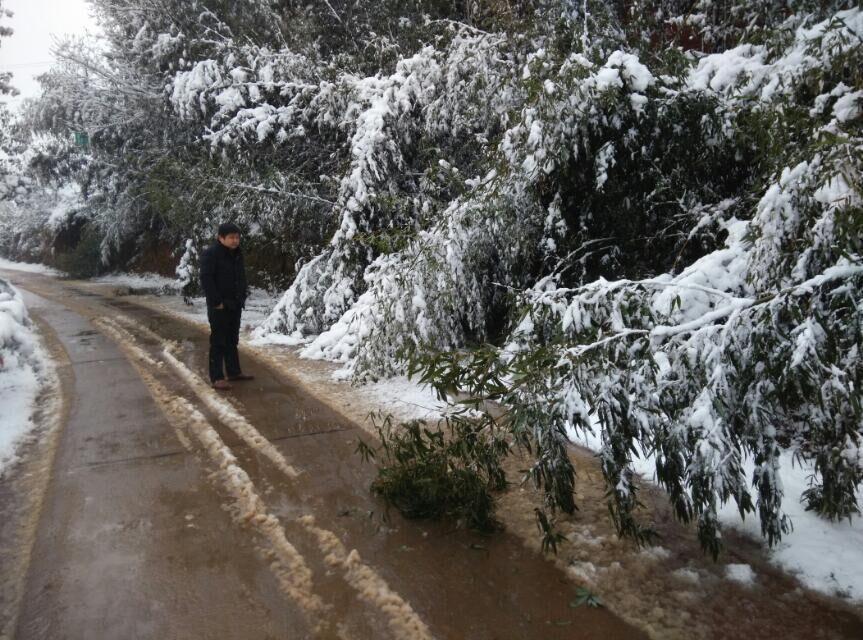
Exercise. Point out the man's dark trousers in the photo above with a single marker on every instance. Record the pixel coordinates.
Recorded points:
(224, 338)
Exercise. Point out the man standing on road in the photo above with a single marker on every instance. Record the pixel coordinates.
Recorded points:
(223, 278)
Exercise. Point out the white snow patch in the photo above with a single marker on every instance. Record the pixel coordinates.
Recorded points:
(406, 398)
(741, 573)
(22, 365)
(292, 340)
(848, 106)
(744, 71)
(656, 552)
(137, 280)
(29, 267)
(825, 556)
(67, 198)
(585, 571)
(18, 389)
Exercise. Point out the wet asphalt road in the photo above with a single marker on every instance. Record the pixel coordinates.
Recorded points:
(132, 541)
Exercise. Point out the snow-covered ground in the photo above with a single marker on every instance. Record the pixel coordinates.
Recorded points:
(406, 398)
(22, 366)
(28, 267)
(825, 556)
(138, 281)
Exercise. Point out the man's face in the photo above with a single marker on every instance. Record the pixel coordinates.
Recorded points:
(232, 240)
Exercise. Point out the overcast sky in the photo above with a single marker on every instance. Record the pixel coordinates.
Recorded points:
(27, 52)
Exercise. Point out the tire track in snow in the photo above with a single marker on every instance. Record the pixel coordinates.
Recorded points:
(371, 587)
(229, 416)
(247, 509)
(224, 410)
(403, 621)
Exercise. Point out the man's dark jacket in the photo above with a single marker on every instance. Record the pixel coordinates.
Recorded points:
(223, 277)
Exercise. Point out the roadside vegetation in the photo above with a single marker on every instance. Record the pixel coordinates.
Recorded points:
(639, 222)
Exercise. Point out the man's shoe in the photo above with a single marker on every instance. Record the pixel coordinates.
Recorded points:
(221, 385)
(241, 376)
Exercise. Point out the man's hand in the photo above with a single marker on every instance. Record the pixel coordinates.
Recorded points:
(221, 306)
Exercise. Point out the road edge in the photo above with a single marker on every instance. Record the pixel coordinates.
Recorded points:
(29, 478)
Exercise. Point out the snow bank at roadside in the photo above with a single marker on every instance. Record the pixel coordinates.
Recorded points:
(823, 555)
(405, 399)
(29, 267)
(139, 281)
(22, 364)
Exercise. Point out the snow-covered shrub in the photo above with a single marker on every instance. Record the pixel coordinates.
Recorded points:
(389, 131)
(548, 196)
(16, 345)
(36, 199)
(21, 365)
(684, 246)
(187, 270)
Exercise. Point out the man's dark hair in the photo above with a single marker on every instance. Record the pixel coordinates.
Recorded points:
(227, 228)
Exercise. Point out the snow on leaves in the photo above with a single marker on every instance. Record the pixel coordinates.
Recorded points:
(748, 350)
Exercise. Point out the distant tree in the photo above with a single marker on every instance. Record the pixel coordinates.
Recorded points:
(6, 87)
